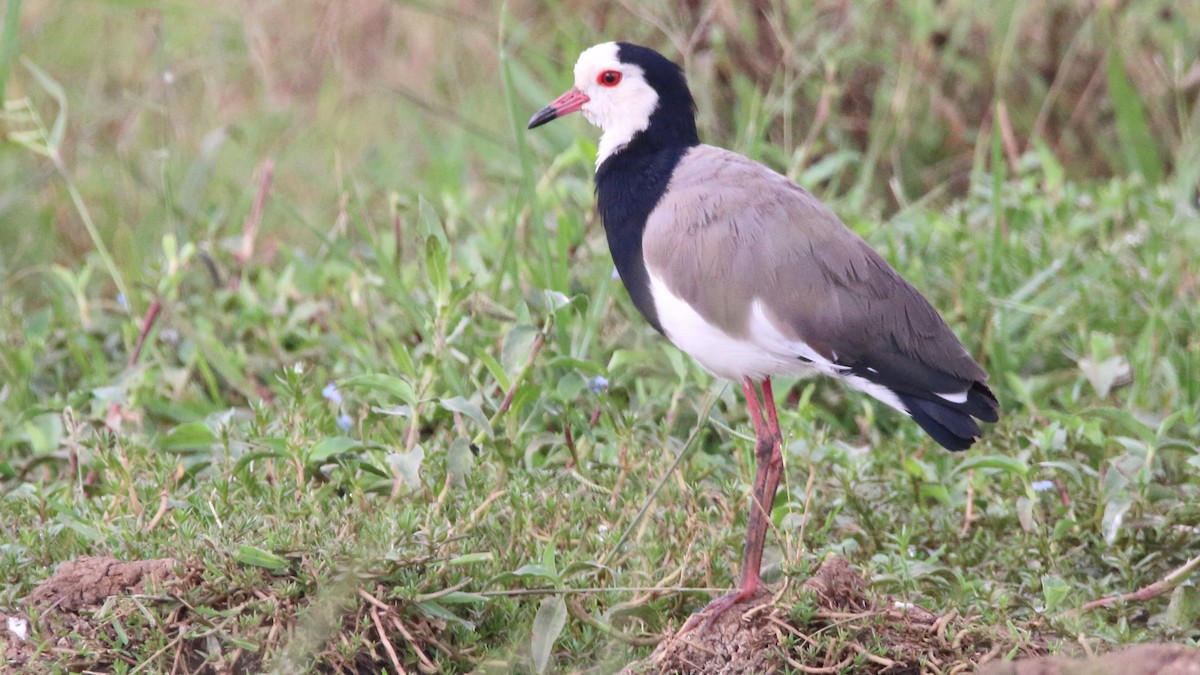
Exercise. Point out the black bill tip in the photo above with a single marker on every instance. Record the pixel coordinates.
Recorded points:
(542, 116)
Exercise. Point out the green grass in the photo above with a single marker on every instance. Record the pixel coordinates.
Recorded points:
(429, 259)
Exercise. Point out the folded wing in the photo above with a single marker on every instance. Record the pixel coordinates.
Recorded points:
(761, 245)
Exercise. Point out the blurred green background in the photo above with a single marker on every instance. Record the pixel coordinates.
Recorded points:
(172, 105)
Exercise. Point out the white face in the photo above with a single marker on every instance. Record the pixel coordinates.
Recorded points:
(620, 109)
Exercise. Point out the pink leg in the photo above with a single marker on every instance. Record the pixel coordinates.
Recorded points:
(769, 455)
(772, 414)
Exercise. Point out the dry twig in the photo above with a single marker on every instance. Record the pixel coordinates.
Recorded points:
(1160, 587)
(387, 644)
(250, 227)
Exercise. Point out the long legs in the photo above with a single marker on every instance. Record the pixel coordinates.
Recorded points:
(768, 453)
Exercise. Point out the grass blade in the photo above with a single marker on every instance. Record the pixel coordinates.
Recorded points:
(8, 48)
(1137, 142)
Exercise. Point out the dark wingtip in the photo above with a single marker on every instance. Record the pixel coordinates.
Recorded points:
(983, 403)
(952, 429)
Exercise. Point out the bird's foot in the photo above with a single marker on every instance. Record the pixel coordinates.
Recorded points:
(705, 617)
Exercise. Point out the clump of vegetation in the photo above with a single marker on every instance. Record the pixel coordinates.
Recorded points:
(289, 298)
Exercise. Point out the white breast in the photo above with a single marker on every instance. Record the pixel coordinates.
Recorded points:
(720, 353)
(764, 352)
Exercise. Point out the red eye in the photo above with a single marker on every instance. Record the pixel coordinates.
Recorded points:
(609, 78)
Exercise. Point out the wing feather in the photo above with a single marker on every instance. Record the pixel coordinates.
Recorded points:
(729, 232)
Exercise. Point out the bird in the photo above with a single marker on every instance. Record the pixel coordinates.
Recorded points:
(754, 277)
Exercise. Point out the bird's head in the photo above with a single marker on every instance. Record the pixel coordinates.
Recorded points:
(626, 90)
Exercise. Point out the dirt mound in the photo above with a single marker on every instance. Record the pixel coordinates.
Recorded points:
(1138, 660)
(742, 640)
(848, 629)
(90, 581)
(839, 587)
(65, 603)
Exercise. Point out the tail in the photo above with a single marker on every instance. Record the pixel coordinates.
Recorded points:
(951, 424)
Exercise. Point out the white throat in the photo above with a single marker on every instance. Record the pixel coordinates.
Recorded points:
(615, 138)
(621, 111)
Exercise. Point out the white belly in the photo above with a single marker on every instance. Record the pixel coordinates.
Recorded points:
(762, 353)
(765, 351)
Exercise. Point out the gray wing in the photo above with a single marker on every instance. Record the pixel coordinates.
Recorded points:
(729, 232)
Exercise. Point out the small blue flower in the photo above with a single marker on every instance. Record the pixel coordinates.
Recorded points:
(331, 393)
(344, 422)
(599, 384)
(122, 301)
(1042, 485)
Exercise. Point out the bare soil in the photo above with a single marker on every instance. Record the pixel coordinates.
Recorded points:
(858, 633)
(861, 633)
(1136, 660)
(62, 612)
(840, 628)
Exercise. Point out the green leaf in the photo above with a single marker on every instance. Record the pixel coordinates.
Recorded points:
(1103, 375)
(248, 458)
(435, 610)
(1063, 528)
(403, 359)
(367, 464)
(431, 224)
(547, 301)
(917, 469)
(1125, 420)
(437, 264)
(1004, 463)
(581, 567)
(44, 432)
(470, 558)
(331, 447)
(81, 528)
(1114, 515)
(1068, 467)
(935, 492)
(1183, 611)
(462, 406)
(1054, 591)
(1025, 514)
(548, 556)
(517, 344)
(481, 304)
(1138, 145)
(1052, 169)
(570, 386)
(494, 368)
(827, 166)
(52, 87)
(461, 598)
(386, 384)
(189, 436)
(547, 626)
(627, 614)
(459, 461)
(257, 557)
(9, 45)
(537, 570)
(407, 465)
(393, 410)
(30, 140)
